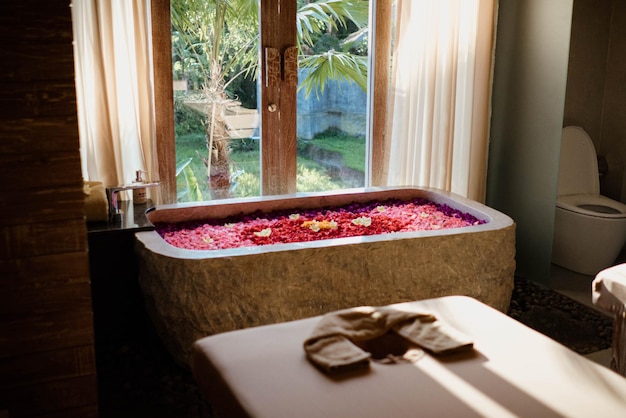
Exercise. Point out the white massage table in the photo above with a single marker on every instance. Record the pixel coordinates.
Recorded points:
(512, 371)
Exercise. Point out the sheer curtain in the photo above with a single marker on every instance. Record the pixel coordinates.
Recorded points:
(440, 95)
(114, 89)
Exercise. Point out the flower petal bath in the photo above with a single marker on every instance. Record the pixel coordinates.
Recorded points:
(356, 219)
(192, 293)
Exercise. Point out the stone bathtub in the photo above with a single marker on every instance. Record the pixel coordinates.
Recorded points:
(190, 294)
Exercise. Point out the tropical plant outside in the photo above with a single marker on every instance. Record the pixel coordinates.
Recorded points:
(215, 51)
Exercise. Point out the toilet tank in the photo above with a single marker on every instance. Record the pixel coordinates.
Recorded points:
(578, 166)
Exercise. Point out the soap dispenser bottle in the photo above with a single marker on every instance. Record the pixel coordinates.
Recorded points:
(139, 193)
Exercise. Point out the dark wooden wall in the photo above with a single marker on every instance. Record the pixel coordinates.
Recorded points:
(47, 363)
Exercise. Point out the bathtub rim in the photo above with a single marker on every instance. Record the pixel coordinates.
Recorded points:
(495, 220)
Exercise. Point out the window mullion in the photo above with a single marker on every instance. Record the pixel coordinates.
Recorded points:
(380, 59)
(278, 100)
(164, 99)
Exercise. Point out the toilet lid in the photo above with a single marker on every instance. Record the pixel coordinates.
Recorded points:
(578, 164)
(592, 205)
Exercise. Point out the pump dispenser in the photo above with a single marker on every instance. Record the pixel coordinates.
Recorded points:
(139, 194)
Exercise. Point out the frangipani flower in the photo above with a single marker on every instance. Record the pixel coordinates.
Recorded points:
(312, 225)
(362, 220)
(318, 225)
(264, 232)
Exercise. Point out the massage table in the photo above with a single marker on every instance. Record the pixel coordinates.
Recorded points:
(609, 293)
(512, 370)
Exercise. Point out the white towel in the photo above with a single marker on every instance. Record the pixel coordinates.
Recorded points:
(96, 203)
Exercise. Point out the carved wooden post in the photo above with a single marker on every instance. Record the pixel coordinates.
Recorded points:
(278, 97)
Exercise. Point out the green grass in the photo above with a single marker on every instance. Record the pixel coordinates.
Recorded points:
(351, 147)
(188, 146)
(245, 159)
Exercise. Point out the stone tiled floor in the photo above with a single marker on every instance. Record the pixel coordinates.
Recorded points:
(578, 287)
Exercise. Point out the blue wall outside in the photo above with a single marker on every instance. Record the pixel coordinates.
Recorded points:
(342, 105)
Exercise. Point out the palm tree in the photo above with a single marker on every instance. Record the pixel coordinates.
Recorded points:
(209, 38)
(315, 18)
(216, 41)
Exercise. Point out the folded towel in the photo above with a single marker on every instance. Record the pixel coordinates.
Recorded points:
(96, 203)
(435, 336)
(333, 344)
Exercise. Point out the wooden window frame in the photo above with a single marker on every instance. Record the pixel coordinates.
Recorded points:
(278, 161)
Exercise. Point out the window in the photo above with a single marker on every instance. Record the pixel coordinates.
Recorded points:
(436, 94)
(279, 149)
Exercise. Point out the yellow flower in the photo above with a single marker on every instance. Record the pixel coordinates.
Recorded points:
(318, 225)
(207, 240)
(294, 216)
(380, 208)
(328, 225)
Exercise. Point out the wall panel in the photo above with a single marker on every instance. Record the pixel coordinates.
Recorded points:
(47, 362)
(530, 74)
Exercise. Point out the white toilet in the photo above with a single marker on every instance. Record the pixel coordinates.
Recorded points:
(590, 229)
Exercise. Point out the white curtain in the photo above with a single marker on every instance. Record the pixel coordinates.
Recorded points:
(441, 88)
(114, 89)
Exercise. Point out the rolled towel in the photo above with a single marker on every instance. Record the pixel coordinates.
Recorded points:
(96, 203)
(333, 344)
